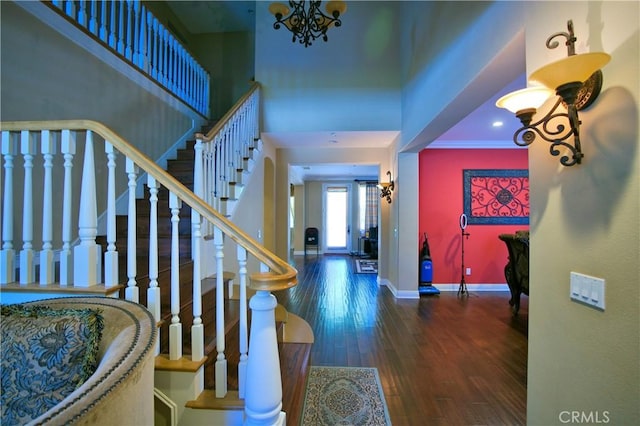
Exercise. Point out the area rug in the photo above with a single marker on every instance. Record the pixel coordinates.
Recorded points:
(344, 396)
(367, 266)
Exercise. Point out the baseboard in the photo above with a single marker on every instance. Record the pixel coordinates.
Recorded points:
(473, 287)
(414, 294)
(309, 252)
(398, 294)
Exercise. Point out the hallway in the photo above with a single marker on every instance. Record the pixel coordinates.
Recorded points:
(442, 360)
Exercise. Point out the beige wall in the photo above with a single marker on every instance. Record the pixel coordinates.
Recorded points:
(585, 219)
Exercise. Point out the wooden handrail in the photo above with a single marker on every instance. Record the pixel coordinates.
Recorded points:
(220, 124)
(281, 276)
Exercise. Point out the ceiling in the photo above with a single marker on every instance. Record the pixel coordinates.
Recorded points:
(476, 130)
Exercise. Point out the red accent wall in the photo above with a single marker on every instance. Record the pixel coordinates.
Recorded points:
(440, 206)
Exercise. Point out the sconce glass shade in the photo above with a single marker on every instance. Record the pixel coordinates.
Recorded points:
(278, 8)
(523, 99)
(336, 6)
(575, 68)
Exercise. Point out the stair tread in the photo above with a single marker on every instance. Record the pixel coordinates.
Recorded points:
(207, 400)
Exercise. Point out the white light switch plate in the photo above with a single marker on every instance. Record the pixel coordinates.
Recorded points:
(587, 289)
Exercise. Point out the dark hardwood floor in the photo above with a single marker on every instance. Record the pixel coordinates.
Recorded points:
(442, 360)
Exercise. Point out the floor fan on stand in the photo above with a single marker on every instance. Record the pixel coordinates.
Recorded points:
(426, 270)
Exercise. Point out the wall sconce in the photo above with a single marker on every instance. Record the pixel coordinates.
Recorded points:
(386, 189)
(576, 80)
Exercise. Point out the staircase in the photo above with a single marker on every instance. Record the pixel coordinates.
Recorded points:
(204, 370)
(154, 254)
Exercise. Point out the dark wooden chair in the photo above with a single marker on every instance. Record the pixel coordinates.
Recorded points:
(311, 239)
(516, 271)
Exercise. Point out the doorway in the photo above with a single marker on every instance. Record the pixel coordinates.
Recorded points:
(337, 211)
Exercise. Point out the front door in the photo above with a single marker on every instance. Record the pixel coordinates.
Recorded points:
(337, 208)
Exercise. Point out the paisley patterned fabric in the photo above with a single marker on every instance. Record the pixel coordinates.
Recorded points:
(46, 354)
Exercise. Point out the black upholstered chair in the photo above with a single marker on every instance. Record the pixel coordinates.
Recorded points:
(311, 239)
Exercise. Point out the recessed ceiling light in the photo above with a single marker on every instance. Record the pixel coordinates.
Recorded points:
(497, 124)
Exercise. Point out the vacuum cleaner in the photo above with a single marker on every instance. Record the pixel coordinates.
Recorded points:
(426, 270)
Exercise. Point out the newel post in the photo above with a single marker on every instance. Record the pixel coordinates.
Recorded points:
(263, 397)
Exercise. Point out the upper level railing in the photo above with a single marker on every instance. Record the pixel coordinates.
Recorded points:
(129, 29)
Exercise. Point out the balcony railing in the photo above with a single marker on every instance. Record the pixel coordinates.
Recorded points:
(130, 30)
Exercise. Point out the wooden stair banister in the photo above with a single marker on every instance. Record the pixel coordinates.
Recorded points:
(279, 274)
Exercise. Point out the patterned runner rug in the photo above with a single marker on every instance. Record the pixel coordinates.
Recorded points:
(344, 396)
(367, 266)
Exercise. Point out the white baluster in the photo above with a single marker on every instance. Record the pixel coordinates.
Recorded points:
(175, 329)
(86, 255)
(198, 183)
(111, 270)
(168, 69)
(68, 149)
(177, 65)
(244, 339)
(121, 27)
(27, 265)
(263, 365)
(197, 330)
(132, 291)
(136, 33)
(103, 22)
(153, 292)
(157, 52)
(218, 171)
(173, 58)
(70, 9)
(128, 31)
(143, 47)
(207, 94)
(82, 13)
(221, 362)
(7, 254)
(93, 18)
(47, 271)
(112, 24)
(165, 56)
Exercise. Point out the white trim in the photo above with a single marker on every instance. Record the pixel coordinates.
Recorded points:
(398, 294)
(476, 144)
(473, 287)
(309, 252)
(163, 399)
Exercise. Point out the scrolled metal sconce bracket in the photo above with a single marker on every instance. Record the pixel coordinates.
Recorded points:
(387, 189)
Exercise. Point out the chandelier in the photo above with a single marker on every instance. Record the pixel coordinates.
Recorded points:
(306, 21)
